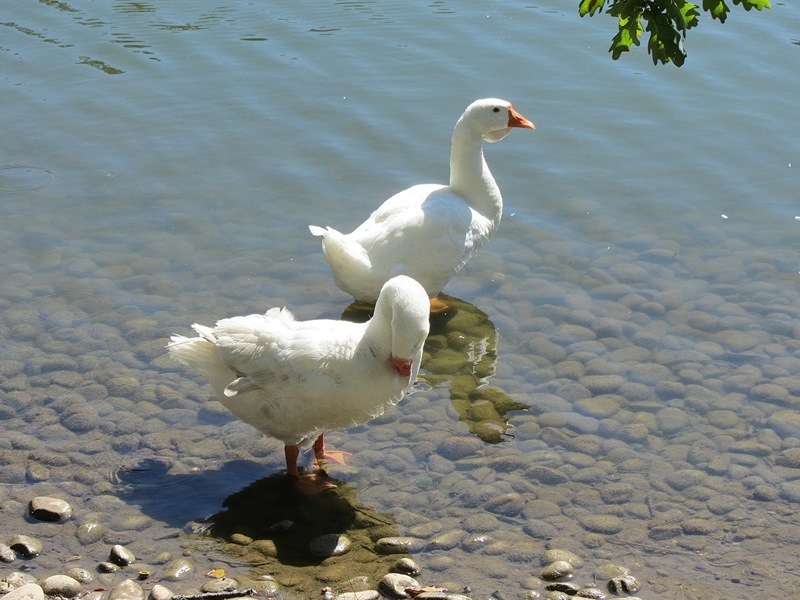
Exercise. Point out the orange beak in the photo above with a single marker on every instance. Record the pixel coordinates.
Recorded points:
(517, 120)
(403, 366)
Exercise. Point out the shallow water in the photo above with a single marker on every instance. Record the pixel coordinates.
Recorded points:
(160, 168)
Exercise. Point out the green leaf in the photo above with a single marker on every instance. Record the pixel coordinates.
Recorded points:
(589, 7)
(717, 8)
(666, 31)
(691, 16)
(757, 4)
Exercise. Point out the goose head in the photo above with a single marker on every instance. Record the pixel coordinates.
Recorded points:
(404, 303)
(492, 119)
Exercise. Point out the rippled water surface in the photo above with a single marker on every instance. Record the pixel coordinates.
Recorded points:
(620, 376)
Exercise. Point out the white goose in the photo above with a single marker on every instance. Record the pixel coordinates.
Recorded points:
(428, 231)
(292, 380)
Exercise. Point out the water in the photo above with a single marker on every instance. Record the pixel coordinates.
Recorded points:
(161, 164)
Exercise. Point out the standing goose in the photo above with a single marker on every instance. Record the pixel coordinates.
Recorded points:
(293, 380)
(429, 231)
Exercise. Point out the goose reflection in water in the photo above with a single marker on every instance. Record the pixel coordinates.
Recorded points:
(461, 353)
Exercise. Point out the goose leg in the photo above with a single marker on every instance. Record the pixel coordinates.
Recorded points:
(321, 457)
(308, 484)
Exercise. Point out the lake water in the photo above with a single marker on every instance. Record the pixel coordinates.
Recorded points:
(621, 378)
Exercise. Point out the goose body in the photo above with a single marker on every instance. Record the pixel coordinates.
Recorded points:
(293, 380)
(430, 231)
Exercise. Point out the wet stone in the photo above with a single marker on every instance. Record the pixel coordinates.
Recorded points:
(563, 586)
(29, 591)
(398, 545)
(331, 544)
(7, 555)
(178, 568)
(616, 493)
(625, 584)
(394, 586)
(684, 478)
(107, 567)
(25, 546)
(789, 458)
(223, 584)
(611, 570)
(605, 524)
(671, 420)
(61, 585)
(459, 447)
(765, 493)
(45, 508)
(557, 554)
(406, 566)
(80, 575)
(448, 540)
(126, 590)
(556, 570)
(121, 556)
(160, 592)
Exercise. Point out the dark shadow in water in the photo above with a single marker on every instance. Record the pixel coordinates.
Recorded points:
(461, 353)
(265, 523)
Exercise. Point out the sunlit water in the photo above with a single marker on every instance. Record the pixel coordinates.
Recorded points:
(161, 162)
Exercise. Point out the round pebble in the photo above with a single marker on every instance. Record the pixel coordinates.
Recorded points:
(223, 584)
(398, 545)
(557, 554)
(79, 574)
(160, 592)
(7, 555)
(28, 591)
(406, 566)
(624, 584)
(25, 545)
(126, 590)
(61, 585)
(89, 533)
(178, 568)
(559, 569)
(331, 544)
(394, 586)
(45, 508)
(121, 556)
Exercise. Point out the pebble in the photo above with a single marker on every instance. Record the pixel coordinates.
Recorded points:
(121, 556)
(126, 590)
(79, 574)
(624, 584)
(25, 545)
(223, 584)
(61, 585)
(29, 591)
(331, 544)
(178, 568)
(89, 533)
(406, 566)
(7, 555)
(160, 592)
(398, 545)
(46, 508)
(557, 554)
(394, 585)
(559, 569)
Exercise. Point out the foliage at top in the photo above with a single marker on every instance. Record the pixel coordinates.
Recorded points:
(665, 21)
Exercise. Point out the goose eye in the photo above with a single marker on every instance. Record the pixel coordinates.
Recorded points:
(495, 109)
